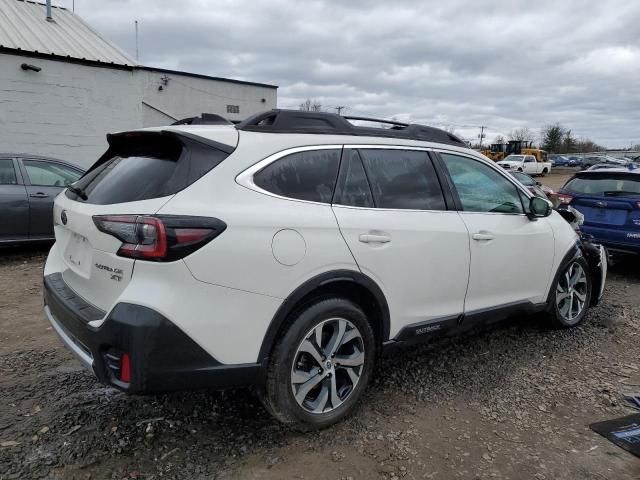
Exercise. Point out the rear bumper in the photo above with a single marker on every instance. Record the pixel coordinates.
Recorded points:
(619, 240)
(162, 357)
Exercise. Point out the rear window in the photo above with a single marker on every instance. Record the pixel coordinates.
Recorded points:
(146, 166)
(524, 179)
(605, 184)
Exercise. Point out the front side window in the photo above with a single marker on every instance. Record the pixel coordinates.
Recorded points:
(7, 172)
(481, 188)
(309, 175)
(47, 174)
(402, 179)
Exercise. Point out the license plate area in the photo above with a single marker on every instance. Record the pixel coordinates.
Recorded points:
(77, 254)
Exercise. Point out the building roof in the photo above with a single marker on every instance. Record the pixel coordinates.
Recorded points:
(24, 28)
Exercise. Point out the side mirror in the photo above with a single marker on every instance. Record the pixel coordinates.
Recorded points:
(539, 207)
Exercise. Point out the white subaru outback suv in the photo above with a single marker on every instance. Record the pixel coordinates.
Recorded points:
(288, 251)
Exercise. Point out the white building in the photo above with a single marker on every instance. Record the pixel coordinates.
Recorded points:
(63, 87)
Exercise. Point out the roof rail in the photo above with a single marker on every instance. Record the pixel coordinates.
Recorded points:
(204, 119)
(299, 121)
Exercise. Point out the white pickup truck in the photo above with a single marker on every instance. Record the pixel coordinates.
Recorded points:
(525, 163)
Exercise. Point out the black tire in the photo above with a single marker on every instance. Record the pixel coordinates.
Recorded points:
(278, 392)
(544, 171)
(558, 307)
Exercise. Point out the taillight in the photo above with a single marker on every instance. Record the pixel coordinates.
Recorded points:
(564, 198)
(159, 238)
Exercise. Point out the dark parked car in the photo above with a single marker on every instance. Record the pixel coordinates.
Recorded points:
(28, 186)
(535, 187)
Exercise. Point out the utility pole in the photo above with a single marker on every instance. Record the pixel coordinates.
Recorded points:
(136, 40)
(339, 109)
(481, 136)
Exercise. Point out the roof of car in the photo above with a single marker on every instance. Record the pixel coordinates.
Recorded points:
(37, 157)
(324, 123)
(313, 128)
(612, 169)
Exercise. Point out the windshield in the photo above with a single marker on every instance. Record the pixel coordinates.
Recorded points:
(605, 184)
(514, 158)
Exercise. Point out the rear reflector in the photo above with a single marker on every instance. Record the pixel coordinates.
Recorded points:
(125, 368)
(159, 238)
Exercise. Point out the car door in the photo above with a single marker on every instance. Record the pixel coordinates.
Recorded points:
(392, 214)
(44, 180)
(511, 255)
(530, 165)
(14, 205)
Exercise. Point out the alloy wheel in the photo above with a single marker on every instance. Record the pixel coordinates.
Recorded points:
(327, 365)
(571, 293)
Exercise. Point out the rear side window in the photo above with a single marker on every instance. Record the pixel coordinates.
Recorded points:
(146, 166)
(402, 179)
(7, 172)
(309, 175)
(605, 184)
(48, 174)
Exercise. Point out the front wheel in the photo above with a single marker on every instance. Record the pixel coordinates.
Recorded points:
(321, 365)
(571, 295)
(544, 172)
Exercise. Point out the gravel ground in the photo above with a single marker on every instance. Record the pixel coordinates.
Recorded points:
(512, 402)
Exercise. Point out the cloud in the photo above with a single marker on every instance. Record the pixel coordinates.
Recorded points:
(459, 63)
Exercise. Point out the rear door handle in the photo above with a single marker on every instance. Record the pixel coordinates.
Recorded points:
(482, 236)
(39, 195)
(375, 238)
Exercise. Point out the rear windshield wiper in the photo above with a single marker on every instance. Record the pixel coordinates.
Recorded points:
(78, 191)
(619, 193)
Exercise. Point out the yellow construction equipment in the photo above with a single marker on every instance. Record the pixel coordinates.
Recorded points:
(499, 151)
(496, 152)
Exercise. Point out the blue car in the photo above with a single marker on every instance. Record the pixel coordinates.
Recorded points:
(609, 199)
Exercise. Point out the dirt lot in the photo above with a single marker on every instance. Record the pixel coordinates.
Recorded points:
(513, 402)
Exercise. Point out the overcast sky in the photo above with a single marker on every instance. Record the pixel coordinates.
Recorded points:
(457, 63)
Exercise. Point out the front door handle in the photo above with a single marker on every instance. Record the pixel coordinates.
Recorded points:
(375, 238)
(39, 195)
(482, 236)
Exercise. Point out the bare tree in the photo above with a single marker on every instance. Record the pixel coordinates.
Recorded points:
(310, 105)
(499, 139)
(522, 134)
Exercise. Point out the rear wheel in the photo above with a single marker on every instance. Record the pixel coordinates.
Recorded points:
(321, 365)
(571, 295)
(545, 171)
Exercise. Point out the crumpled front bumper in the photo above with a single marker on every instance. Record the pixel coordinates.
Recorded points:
(597, 257)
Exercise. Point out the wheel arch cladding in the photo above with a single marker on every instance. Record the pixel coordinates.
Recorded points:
(348, 284)
(577, 250)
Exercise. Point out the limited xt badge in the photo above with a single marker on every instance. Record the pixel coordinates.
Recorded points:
(116, 273)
